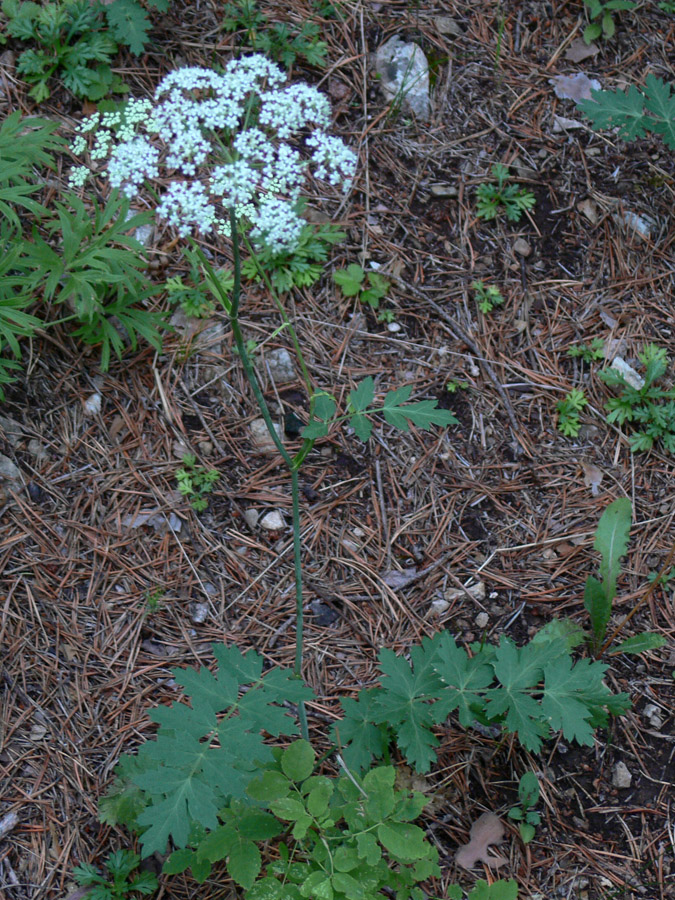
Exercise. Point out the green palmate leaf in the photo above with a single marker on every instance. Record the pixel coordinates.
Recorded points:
(640, 643)
(498, 890)
(357, 737)
(129, 24)
(466, 680)
(187, 778)
(403, 703)
(519, 671)
(350, 279)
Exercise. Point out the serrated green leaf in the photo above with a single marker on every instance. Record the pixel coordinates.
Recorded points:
(324, 406)
(466, 681)
(611, 541)
(640, 643)
(362, 398)
(179, 861)
(358, 738)
(498, 890)
(314, 431)
(598, 606)
(269, 786)
(350, 279)
(362, 426)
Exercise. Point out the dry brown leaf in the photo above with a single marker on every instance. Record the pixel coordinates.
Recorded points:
(574, 87)
(486, 830)
(578, 51)
(592, 477)
(589, 210)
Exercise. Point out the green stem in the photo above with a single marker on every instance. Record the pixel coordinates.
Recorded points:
(293, 464)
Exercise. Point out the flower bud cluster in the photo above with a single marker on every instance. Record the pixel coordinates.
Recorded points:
(239, 140)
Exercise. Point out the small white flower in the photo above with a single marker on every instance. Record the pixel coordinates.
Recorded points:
(78, 175)
(186, 206)
(293, 108)
(235, 182)
(333, 160)
(277, 225)
(131, 164)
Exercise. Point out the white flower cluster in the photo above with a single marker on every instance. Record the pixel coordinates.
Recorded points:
(221, 142)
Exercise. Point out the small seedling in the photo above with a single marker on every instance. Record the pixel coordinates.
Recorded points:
(453, 386)
(194, 297)
(386, 315)
(153, 598)
(601, 12)
(195, 481)
(118, 885)
(524, 814)
(588, 353)
(300, 267)
(611, 541)
(648, 408)
(487, 297)
(664, 579)
(568, 412)
(511, 199)
(352, 283)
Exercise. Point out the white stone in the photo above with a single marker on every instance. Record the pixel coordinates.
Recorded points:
(482, 620)
(280, 365)
(261, 436)
(273, 521)
(92, 405)
(199, 613)
(634, 379)
(404, 74)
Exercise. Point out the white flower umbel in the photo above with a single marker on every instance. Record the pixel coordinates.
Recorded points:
(209, 142)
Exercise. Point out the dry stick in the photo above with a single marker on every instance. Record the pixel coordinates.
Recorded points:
(462, 334)
(650, 590)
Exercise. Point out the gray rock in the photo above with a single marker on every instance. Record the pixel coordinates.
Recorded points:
(621, 778)
(251, 517)
(13, 430)
(404, 74)
(9, 471)
(261, 436)
(273, 521)
(280, 365)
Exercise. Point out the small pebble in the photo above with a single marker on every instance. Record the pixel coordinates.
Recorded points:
(521, 247)
(481, 620)
(621, 778)
(273, 521)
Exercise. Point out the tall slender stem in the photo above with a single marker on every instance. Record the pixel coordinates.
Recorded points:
(292, 463)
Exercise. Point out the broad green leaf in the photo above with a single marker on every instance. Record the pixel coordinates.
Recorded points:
(528, 789)
(179, 861)
(314, 431)
(518, 671)
(297, 760)
(317, 887)
(269, 787)
(324, 407)
(356, 735)
(598, 606)
(498, 890)
(349, 279)
(558, 630)
(640, 643)
(368, 848)
(406, 842)
(267, 888)
(349, 886)
(244, 863)
(288, 809)
(611, 540)
(362, 426)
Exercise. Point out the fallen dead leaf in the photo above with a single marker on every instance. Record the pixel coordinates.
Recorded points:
(588, 209)
(592, 477)
(574, 87)
(578, 51)
(486, 830)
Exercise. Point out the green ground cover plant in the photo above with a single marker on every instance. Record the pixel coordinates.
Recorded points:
(278, 40)
(588, 353)
(611, 541)
(487, 296)
(601, 14)
(119, 884)
(76, 40)
(194, 482)
(649, 409)
(352, 283)
(568, 410)
(524, 813)
(501, 198)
